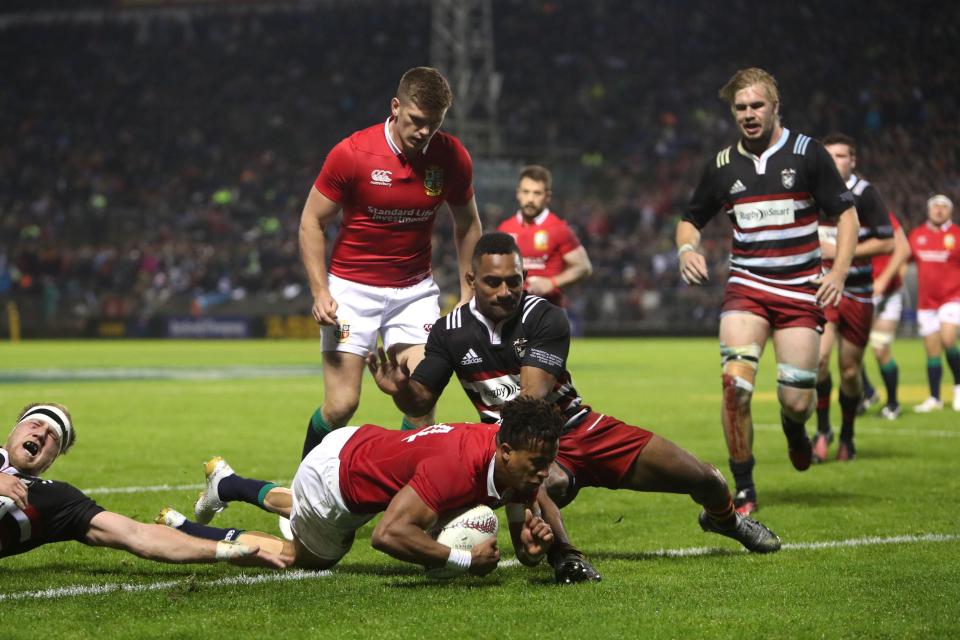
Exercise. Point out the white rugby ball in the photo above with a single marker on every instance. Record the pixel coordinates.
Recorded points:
(463, 530)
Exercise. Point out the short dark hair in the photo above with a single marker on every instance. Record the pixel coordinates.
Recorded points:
(527, 421)
(538, 173)
(495, 242)
(425, 87)
(840, 138)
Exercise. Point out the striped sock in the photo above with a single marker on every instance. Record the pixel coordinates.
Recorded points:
(723, 515)
(934, 374)
(236, 489)
(891, 376)
(824, 389)
(317, 429)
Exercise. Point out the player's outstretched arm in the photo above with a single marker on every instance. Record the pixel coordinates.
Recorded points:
(401, 534)
(693, 266)
(317, 212)
(466, 231)
(163, 544)
(393, 378)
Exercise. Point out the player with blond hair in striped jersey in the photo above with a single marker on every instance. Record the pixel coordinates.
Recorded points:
(772, 184)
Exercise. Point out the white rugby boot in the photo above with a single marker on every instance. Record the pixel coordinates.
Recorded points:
(209, 503)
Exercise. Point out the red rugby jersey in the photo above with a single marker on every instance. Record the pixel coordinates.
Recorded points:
(881, 261)
(390, 203)
(448, 465)
(542, 242)
(936, 250)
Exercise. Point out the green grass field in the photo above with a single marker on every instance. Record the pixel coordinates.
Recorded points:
(251, 405)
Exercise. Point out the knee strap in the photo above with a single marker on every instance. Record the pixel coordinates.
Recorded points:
(748, 355)
(791, 376)
(881, 339)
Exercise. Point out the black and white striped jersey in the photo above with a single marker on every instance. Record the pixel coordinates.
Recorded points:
(874, 223)
(773, 201)
(487, 357)
(55, 512)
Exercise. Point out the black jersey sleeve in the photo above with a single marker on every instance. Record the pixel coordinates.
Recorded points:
(437, 366)
(704, 204)
(826, 185)
(548, 339)
(873, 216)
(66, 511)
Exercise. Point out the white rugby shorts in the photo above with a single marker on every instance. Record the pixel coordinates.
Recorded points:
(319, 518)
(930, 319)
(402, 315)
(888, 306)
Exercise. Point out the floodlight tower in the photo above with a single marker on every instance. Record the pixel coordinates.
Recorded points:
(461, 46)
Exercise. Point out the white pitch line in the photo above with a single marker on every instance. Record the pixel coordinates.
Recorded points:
(298, 575)
(155, 488)
(103, 589)
(874, 431)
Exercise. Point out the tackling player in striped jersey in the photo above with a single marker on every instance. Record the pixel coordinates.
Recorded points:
(848, 325)
(772, 184)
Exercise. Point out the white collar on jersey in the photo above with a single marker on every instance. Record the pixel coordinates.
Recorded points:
(393, 145)
(538, 220)
(492, 329)
(491, 485)
(852, 181)
(942, 227)
(760, 163)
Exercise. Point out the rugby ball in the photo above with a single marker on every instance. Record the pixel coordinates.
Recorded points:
(462, 530)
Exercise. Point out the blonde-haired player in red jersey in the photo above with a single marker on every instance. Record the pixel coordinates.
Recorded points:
(389, 180)
(552, 255)
(936, 250)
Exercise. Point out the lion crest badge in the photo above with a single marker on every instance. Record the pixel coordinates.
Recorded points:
(433, 181)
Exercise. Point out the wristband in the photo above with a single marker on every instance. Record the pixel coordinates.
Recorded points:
(459, 559)
(228, 550)
(684, 248)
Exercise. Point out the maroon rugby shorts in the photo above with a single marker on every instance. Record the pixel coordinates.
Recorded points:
(600, 450)
(853, 320)
(781, 312)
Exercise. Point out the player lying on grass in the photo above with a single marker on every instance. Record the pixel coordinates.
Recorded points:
(34, 512)
(413, 477)
(506, 344)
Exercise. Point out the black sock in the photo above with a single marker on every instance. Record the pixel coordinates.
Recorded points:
(953, 359)
(236, 489)
(743, 473)
(207, 532)
(848, 408)
(795, 431)
(317, 429)
(868, 388)
(824, 389)
(934, 374)
(891, 375)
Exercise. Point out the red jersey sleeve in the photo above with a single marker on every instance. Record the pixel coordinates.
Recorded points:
(444, 483)
(461, 185)
(336, 175)
(567, 241)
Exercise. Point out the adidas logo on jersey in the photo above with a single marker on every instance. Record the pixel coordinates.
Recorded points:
(471, 357)
(381, 177)
(737, 187)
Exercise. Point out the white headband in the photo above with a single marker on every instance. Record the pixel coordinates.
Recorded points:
(52, 417)
(941, 199)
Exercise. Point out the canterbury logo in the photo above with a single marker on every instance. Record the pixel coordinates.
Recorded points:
(381, 176)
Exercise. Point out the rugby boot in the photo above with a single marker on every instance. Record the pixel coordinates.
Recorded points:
(170, 517)
(928, 405)
(821, 445)
(751, 534)
(846, 451)
(801, 453)
(890, 411)
(209, 503)
(745, 502)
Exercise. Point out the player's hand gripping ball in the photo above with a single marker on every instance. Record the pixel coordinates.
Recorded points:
(463, 530)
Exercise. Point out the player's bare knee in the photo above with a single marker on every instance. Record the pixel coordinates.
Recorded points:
(338, 411)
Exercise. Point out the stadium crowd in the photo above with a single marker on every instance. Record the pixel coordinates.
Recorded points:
(159, 166)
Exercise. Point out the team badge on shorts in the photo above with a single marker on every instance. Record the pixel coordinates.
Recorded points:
(541, 240)
(520, 346)
(428, 327)
(788, 177)
(949, 241)
(433, 181)
(343, 332)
